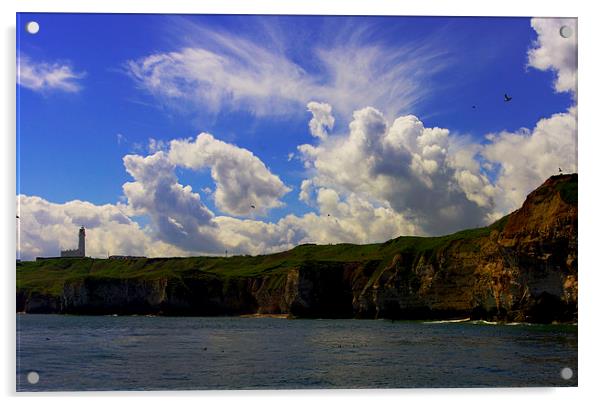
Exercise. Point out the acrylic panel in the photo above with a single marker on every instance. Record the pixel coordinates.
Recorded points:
(295, 202)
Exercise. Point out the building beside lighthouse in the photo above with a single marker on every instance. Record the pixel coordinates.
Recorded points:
(81, 249)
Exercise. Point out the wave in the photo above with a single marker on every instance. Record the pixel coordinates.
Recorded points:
(483, 322)
(449, 321)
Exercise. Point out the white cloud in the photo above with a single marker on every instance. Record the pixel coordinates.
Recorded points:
(156, 145)
(42, 76)
(222, 72)
(352, 221)
(322, 120)
(306, 190)
(250, 79)
(46, 228)
(527, 158)
(403, 166)
(476, 187)
(243, 183)
(553, 51)
(178, 215)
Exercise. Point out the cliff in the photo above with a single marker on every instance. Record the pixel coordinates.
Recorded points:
(521, 268)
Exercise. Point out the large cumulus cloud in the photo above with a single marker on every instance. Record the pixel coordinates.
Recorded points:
(244, 185)
(177, 213)
(404, 166)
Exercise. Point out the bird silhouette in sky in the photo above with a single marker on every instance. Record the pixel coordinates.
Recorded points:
(253, 206)
(507, 98)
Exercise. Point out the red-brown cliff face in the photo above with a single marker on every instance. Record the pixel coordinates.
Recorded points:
(524, 268)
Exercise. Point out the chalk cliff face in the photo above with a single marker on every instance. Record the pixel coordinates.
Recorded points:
(524, 271)
(522, 268)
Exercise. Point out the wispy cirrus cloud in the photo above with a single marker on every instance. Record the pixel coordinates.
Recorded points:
(223, 71)
(43, 76)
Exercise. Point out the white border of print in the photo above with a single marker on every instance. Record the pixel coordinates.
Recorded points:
(589, 227)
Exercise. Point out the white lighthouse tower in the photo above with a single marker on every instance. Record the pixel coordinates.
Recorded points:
(82, 242)
(81, 247)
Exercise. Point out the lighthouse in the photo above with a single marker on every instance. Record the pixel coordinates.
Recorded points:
(82, 242)
(81, 247)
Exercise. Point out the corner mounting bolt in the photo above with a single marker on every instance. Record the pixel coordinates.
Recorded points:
(32, 27)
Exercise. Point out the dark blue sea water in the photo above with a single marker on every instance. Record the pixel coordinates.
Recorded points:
(163, 353)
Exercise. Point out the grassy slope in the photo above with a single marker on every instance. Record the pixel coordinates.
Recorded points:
(48, 276)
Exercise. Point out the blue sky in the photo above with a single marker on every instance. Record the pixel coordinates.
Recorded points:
(72, 141)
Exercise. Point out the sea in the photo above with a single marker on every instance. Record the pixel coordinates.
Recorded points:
(83, 353)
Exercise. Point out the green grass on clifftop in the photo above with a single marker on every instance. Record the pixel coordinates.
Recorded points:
(568, 191)
(48, 276)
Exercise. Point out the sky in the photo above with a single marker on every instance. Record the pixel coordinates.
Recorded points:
(177, 135)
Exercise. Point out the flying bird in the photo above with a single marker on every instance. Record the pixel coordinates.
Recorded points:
(507, 98)
(474, 106)
(253, 206)
(559, 170)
